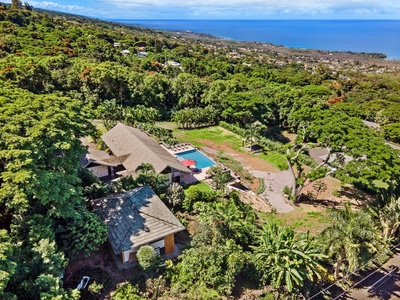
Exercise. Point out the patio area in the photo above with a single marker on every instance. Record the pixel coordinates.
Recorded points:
(198, 174)
(178, 148)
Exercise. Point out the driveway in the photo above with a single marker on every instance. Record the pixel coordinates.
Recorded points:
(274, 184)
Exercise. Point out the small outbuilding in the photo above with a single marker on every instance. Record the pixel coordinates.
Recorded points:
(137, 218)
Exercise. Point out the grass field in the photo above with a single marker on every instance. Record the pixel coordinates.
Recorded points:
(99, 126)
(220, 136)
(215, 134)
(200, 185)
(300, 219)
(275, 158)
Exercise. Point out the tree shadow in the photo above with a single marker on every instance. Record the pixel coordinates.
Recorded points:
(383, 284)
(305, 199)
(352, 193)
(275, 133)
(388, 289)
(256, 149)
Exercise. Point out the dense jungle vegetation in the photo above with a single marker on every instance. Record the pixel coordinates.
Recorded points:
(58, 72)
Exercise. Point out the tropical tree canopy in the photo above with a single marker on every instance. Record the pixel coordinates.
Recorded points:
(286, 258)
(351, 239)
(214, 265)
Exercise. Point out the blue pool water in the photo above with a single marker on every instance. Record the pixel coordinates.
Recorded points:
(202, 160)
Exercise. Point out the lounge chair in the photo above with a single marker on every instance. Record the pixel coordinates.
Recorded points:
(83, 283)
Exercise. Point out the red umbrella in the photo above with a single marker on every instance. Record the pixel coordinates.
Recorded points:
(188, 162)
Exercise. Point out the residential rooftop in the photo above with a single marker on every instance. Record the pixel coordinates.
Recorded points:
(135, 218)
(139, 148)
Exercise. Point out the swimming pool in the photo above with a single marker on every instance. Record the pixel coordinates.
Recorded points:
(202, 160)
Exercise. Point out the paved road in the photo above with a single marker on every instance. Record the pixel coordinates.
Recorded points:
(384, 284)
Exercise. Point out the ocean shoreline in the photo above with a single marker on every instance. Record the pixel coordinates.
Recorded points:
(197, 33)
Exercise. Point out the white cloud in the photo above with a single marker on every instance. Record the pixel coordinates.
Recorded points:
(227, 9)
(253, 3)
(55, 6)
(265, 7)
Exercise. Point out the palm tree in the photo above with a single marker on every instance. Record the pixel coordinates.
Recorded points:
(389, 217)
(252, 131)
(286, 258)
(219, 177)
(178, 118)
(351, 238)
(231, 220)
(175, 194)
(147, 177)
(145, 168)
(159, 182)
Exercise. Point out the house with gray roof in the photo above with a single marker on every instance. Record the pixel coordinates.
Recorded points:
(136, 218)
(100, 163)
(130, 148)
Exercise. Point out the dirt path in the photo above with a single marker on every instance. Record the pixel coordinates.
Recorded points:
(274, 184)
(275, 180)
(247, 160)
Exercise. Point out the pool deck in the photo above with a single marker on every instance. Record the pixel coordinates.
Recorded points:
(200, 174)
(179, 148)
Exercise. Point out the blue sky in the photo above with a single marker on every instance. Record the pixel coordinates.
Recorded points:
(227, 9)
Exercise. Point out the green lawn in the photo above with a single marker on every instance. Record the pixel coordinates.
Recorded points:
(275, 158)
(100, 126)
(200, 185)
(214, 134)
(300, 220)
(219, 135)
(261, 186)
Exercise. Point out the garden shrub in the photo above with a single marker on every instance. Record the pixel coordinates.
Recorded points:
(148, 259)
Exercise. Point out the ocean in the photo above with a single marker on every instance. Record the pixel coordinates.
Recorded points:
(375, 36)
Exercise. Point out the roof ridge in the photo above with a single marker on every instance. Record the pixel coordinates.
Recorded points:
(127, 129)
(144, 189)
(139, 146)
(147, 214)
(157, 157)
